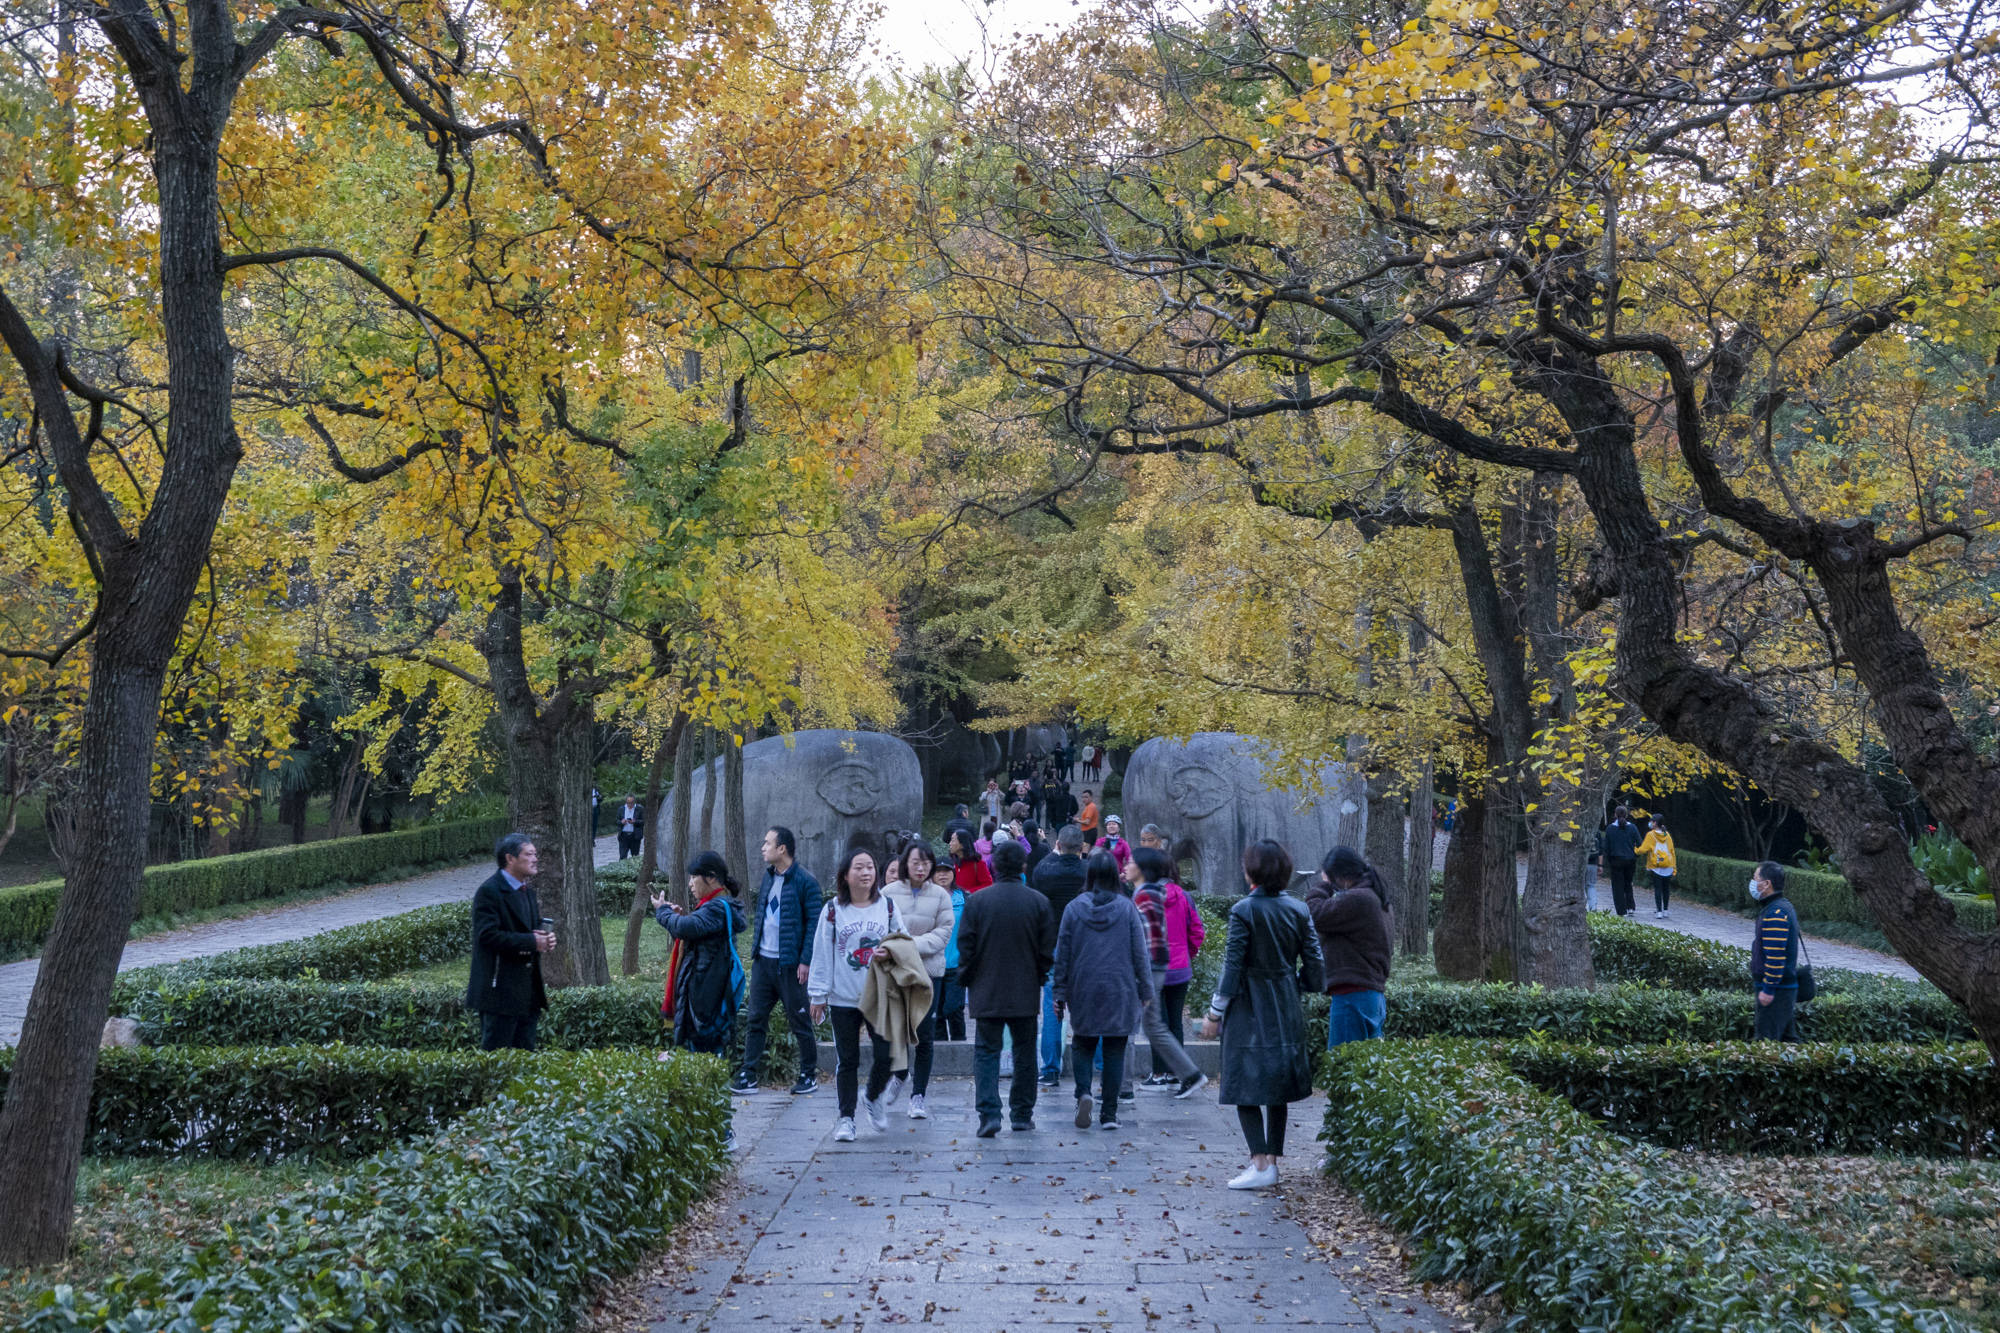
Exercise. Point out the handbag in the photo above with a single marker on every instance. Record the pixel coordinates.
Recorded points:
(1808, 987)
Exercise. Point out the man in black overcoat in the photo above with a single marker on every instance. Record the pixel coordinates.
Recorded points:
(508, 941)
(1006, 946)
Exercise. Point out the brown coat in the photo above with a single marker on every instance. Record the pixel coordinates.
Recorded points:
(896, 996)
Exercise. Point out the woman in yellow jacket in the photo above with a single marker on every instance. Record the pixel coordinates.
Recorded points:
(1656, 849)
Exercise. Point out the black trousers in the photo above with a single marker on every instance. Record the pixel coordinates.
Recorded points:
(771, 983)
(1083, 1054)
(923, 1051)
(1621, 884)
(1663, 887)
(1778, 1020)
(1264, 1129)
(505, 1032)
(848, 1025)
(986, 1038)
(628, 843)
(1173, 1006)
(948, 1006)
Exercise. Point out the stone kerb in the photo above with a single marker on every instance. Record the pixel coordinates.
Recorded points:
(833, 789)
(1216, 794)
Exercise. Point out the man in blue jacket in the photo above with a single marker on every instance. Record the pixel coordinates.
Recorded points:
(781, 949)
(1774, 956)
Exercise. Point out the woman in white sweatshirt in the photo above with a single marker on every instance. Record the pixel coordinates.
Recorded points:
(926, 912)
(850, 927)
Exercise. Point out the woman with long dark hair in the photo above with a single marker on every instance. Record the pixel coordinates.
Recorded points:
(851, 927)
(969, 870)
(1272, 954)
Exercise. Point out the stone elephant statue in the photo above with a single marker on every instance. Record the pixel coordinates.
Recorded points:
(1214, 796)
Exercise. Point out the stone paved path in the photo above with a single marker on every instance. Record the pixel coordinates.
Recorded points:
(272, 926)
(1059, 1228)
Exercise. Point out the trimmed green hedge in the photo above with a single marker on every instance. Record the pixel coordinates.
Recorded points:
(1632, 951)
(1817, 894)
(505, 1219)
(243, 1011)
(1769, 1097)
(364, 952)
(1519, 1194)
(185, 886)
(278, 1101)
(1647, 1016)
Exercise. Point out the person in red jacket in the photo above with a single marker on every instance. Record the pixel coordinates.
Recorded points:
(969, 870)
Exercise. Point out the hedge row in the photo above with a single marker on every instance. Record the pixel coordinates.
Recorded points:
(185, 886)
(364, 952)
(277, 1102)
(1518, 1193)
(1818, 895)
(1768, 1097)
(1632, 951)
(504, 1220)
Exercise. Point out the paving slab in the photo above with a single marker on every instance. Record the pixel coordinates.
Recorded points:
(1055, 1228)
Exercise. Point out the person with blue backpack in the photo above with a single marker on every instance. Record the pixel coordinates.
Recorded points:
(705, 971)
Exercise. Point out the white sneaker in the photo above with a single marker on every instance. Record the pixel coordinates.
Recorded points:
(878, 1112)
(1253, 1179)
(917, 1109)
(844, 1131)
(897, 1082)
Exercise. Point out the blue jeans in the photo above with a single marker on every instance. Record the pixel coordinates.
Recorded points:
(1357, 1016)
(1051, 1034)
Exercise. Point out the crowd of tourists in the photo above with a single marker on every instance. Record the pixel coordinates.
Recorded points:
(1079, 945)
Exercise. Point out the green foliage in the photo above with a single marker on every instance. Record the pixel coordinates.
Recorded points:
(1818, 895)
(1518, 1193)
(1770, 1097)
(1631, 951)
(574, 1168)
(363, 952)
(278, 1101)
(1643, 1015)
(27, 910)
(237, 1011)
(1950, 865)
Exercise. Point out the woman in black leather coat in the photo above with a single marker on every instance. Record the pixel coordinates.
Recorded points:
(1272, 955)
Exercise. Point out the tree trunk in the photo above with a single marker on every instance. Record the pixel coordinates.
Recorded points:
(711, 764)
(649, 845)
(1478, 930)
(1554, 926)
(147, 582)
(735, 829)
(1387, 834)
(549, 746)
(1457, 948)
(683, 817)
(1413, 908)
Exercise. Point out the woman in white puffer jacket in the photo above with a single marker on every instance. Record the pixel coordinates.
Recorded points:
(927, 915)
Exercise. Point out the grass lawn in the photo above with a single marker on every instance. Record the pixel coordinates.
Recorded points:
(135, 1211)
(1933, 1225)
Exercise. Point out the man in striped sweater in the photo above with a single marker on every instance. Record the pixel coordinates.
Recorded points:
(1774, 956)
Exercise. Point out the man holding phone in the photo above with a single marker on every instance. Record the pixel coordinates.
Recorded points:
(509, 937)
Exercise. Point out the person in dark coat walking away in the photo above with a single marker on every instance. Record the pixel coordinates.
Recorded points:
(782, 922)
(1618, 858)
(1006, 946)
(1350, 910)
(1774, 956)
(509, 937)
(1103, 980)
(1059, 878)
(1272, 955)
(704, 973)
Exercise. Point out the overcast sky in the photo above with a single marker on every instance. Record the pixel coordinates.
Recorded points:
(915, 33)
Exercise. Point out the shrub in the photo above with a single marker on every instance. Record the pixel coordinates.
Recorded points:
(1768, 1097)
(1518, 1193)
(503, 1220)
(1818, 895)
(363, 952)
(1630, 951)
(184, 886)
(278, 1101)
(239, 1011)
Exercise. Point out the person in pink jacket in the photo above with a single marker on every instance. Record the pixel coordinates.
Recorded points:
(1184, 939)
(1114, 842)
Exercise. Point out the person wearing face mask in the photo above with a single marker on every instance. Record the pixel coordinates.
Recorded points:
(1774, 956)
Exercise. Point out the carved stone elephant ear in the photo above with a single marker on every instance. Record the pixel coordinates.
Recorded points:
(851, 788)
(1198, 791)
